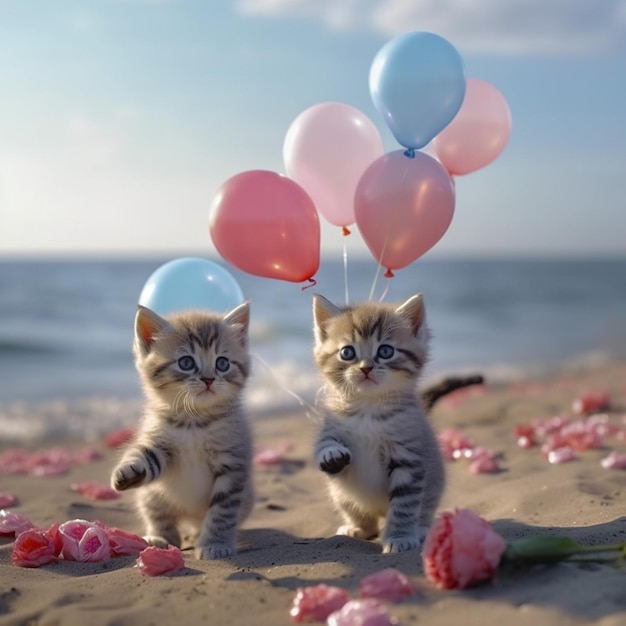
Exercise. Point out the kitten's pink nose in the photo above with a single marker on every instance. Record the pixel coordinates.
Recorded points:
(366, 370)
(208, 382)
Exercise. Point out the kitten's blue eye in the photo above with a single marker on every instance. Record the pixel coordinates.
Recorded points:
(385, 351)
(222, 364)
(347, 353)
(186, 363)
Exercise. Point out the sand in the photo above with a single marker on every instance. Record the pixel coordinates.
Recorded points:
(288, 541)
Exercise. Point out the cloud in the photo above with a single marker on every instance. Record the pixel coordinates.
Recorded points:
(506, 27)
(87, 193)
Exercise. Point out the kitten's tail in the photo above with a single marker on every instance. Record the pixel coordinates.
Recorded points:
(431, 394)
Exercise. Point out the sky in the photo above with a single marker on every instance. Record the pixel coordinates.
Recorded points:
(120, 119)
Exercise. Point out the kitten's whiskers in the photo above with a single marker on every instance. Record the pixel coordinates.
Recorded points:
(177, 401)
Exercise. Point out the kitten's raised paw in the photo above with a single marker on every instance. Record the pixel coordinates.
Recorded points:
(355, 531)
(214, 551)
(334, 460)
(393, 545)
(127, 476)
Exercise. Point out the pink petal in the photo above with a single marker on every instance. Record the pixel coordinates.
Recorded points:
(50, 468)
(545, 426)
(455, 444)
(7, 499)
(94, 490)
(601, 424)
(268, 457)
(484, 465)
(94, 545)
(615, 460)
(591, 403)
(55, 536)
(316, 603)
(14, 461)
(273, 455)
(13, 523)
(361, 613)
(462, 453)
(561, 455)
(388, 584)
(155, 561)
(87, 455)
(526, 442)
(123, 542)
(118, 437)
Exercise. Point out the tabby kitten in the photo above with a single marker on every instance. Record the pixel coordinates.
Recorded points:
(191, 457)
(375, 443)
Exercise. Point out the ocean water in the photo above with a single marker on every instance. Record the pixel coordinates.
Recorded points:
(66, 327)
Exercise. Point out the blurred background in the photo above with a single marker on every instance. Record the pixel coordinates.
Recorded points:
(119, 120)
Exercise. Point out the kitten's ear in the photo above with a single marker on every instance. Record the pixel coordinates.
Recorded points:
(323, 310)
(147, 325)
(240, 317)
(414, 311)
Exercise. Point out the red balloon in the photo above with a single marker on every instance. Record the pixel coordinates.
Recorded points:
(265, 224)
(403, 207)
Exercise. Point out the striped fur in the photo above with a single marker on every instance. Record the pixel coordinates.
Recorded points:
(191, 457)
(375, 443)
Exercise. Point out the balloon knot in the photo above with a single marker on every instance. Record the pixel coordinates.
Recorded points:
(410, 152)
(312, 283)
(389, 273)
(345, 231)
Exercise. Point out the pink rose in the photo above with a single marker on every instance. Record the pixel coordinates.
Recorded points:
(461, 550)
(84, 541)
(33, 547)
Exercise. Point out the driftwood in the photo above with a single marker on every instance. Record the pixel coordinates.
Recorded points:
(431, 394)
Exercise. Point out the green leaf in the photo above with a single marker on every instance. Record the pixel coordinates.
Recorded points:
(542, 549)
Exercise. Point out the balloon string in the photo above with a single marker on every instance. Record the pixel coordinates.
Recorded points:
(312, 283)
(345, 271)
(379, 268)
(309, 410)
(385, 291)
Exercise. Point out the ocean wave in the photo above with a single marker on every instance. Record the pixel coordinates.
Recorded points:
(86, 419)
(10, 346)
(277, 388)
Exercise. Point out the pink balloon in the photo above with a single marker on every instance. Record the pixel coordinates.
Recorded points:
(403, 207)
(326, 150)
(478, 133)
(265, 224)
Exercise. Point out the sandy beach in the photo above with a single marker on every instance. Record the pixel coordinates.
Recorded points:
(288, 542)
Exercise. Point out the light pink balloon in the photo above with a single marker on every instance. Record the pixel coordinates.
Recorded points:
(326, 150)
(403, 207)
(478, 133)
(265, 224)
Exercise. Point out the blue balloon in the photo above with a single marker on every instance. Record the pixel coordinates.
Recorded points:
(191, 283)
(417, 83)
